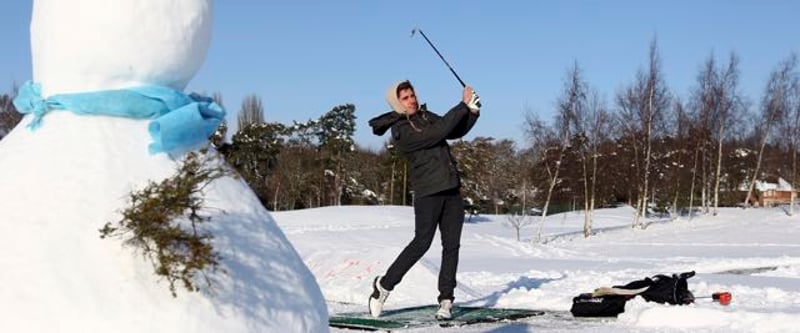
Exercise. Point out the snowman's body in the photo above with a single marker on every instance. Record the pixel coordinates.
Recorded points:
(60, 183)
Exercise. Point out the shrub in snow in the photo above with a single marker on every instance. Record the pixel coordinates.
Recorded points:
(162, 223)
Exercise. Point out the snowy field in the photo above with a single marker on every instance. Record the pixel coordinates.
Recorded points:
(754, 254)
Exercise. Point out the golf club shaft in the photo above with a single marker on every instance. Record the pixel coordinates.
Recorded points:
(441, 57)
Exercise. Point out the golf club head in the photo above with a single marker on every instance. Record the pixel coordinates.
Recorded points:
(413, 31)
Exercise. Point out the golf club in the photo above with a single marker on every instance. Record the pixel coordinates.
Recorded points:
(413, 31)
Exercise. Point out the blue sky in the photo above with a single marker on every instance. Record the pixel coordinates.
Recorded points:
(305, 57)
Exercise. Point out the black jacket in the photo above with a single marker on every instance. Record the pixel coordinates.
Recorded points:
(424, 144)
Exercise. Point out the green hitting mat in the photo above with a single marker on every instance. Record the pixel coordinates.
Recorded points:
(422, 316)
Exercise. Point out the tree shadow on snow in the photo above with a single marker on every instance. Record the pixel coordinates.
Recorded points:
(596, 231)
(523, 282)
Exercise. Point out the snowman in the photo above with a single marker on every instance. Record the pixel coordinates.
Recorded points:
(106, 113)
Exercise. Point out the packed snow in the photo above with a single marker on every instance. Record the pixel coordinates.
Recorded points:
(753, 254)
(61, 183)
(116, 44)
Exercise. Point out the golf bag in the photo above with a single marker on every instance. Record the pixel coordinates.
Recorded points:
(609, 302)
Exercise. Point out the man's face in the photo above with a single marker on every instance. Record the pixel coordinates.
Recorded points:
(409, 101)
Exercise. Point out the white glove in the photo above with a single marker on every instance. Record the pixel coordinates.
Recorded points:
(474, 102)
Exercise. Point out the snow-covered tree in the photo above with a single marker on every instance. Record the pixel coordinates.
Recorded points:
(253, 153)
(335, 130)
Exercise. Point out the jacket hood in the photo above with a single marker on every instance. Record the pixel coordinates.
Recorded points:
(391, 98)
(384, 122)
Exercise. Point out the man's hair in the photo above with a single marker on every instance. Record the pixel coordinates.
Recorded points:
(403, 86)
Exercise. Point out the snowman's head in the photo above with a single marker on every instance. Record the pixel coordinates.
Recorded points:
(89, 45)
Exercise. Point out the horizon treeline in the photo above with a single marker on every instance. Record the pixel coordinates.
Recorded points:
(660, 149)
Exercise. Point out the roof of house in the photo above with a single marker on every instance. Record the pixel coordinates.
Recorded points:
(771, 183)
(779, 185)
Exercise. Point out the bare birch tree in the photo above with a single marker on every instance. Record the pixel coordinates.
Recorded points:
(728, 104)
(590, 125)
(717, 105)
(642, 107)
(598, 131)
(703, 106)
(790, 128)
(517, 221)
(774, 107)
(546, 143)
(252, 111)
(681, 151)
(553, 142)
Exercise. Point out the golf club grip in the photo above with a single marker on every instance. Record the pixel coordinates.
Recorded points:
(463, 85)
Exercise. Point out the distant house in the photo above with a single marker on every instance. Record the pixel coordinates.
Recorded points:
(770, 192)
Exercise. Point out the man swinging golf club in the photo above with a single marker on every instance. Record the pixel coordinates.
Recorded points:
(421, 136)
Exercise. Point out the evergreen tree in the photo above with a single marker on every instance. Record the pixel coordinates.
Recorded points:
(335, 130)
(253, 153)
(9, 117)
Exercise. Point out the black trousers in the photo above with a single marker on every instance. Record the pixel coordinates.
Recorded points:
(445, 210)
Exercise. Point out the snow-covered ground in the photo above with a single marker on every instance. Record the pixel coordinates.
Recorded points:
(754, 254)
